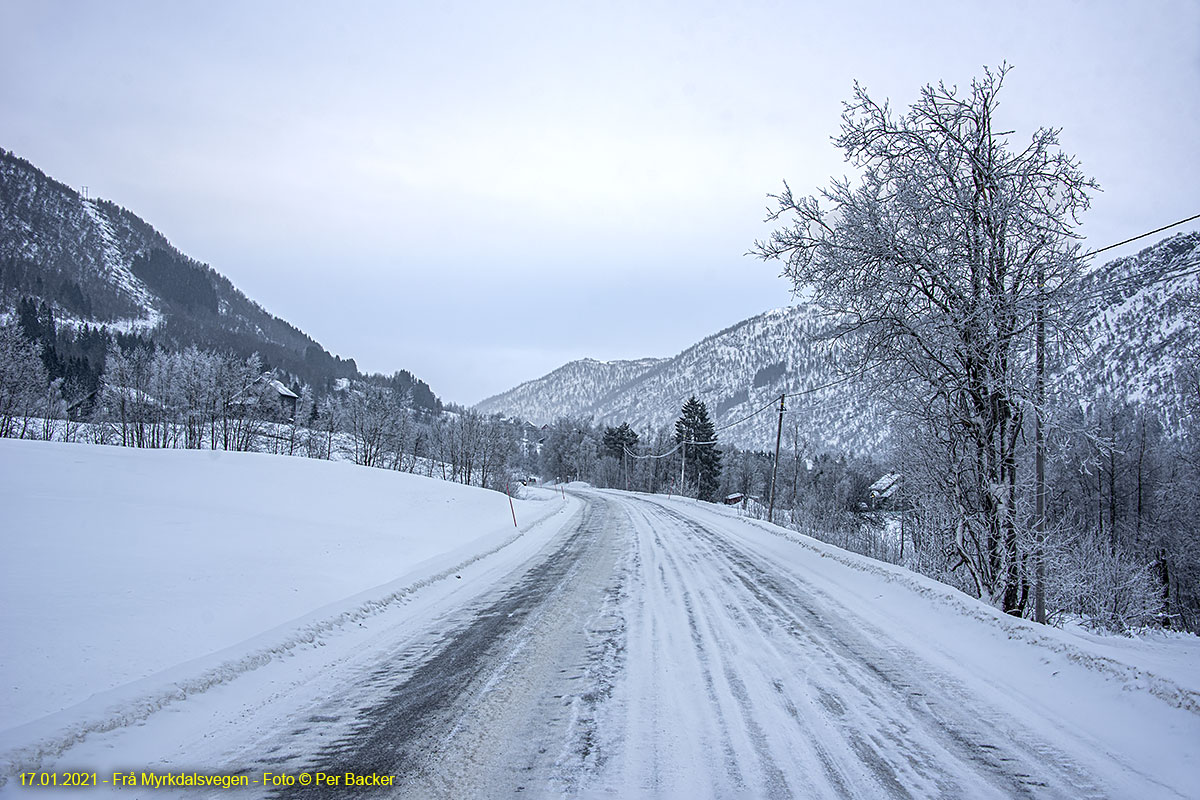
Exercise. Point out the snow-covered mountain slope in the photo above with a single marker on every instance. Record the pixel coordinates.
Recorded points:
(744, 369)
(1137, 330)
(735, 372)
(95, 262)
(1141, 342)
(573, 390)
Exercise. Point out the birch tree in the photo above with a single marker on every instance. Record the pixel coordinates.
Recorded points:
(933, 264)
(22, 380)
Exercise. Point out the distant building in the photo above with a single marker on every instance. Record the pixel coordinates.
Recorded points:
(883, 491)
(284, 396)
(269, 397)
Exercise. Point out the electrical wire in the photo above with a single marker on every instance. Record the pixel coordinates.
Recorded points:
(824, 386)
(660, 455)
(1134, 279)
(1141, 236)
(751, 415)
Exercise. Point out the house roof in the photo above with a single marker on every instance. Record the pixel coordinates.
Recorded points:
(134, 395)
(281, 389)
(886, 486)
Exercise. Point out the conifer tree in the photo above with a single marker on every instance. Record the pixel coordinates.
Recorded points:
(702, 460)
(617, 440)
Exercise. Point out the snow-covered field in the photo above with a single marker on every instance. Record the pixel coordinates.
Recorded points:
(129, 570)
(235, 613)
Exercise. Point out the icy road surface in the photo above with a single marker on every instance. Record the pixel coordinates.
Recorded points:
(640, 647)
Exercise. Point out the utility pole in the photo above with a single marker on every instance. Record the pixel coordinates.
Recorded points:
(775, 465)
(1039, 458)
(683, 467)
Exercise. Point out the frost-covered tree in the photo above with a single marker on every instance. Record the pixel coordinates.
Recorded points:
(569, 450)
(934, 263)
(372, 415)
(23, 381)
(243, 416)
(127, 403)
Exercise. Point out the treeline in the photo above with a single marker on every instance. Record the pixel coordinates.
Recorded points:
(1124, 481)
(126, 390)
(1121, 548)
(818, 493)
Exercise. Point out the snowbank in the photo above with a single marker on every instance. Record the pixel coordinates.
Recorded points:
(121, 563)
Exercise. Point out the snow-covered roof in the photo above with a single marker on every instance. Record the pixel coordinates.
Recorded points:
(133, 395)
(886, 486)
(282, 390)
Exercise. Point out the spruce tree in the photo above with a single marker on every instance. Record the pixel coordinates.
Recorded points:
(703, 460)
(617, 440)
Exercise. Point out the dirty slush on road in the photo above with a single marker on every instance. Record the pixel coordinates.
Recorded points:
(504, 702)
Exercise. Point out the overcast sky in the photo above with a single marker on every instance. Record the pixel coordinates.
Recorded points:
(480, 192)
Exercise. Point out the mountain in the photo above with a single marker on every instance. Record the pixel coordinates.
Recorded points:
(1138, 326)
(740, 373)
(573, 390)
(736, 372)
(92, 262)
(1141, 338)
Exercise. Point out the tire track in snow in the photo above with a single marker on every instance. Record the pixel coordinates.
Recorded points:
(790, 693)
(504, 703)
(676, 594)
(724, 657)
(690, 669)
(879, 675)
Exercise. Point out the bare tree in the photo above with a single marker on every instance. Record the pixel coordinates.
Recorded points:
(23, 380)
(375, 418)
(930, 266)
(126, 399)
(242, 414)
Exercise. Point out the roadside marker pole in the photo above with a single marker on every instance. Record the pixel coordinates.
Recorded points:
(511, 508)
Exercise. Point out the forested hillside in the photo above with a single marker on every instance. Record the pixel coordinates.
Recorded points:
(735, 372)
(573, 390)
(1135, 329)
(80, 264)
(1123, 397)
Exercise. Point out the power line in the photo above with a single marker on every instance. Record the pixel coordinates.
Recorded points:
(1139, 278)
(1141, 236)
(743, 419)
(632, 454)
(824, 386)
(751, 415)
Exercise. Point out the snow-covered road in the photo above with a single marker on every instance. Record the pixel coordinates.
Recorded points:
(745, 680)
(634, 646)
